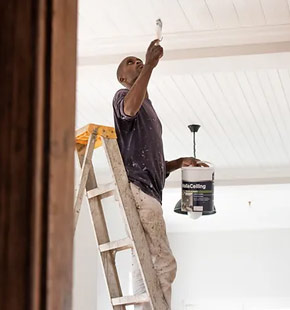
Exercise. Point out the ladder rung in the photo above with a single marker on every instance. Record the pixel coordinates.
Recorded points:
(130, 300)
(118, 245)
(105, 190)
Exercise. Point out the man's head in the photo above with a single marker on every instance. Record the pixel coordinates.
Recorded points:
(129, 70)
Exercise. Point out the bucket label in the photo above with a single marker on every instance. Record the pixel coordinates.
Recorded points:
(197, 196)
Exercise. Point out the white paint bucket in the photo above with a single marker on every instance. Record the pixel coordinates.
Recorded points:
(198, 191)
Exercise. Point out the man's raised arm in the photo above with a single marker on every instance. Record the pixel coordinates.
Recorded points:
(137, 92)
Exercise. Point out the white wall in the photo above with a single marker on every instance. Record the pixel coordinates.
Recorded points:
(85, 267)
(232, 270)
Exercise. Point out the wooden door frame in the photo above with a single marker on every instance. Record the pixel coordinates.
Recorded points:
(37, 122)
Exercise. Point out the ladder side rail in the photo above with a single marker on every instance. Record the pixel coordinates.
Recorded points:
(85, 168)
(132, 219)
(102, 235)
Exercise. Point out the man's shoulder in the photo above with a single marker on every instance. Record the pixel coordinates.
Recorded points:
(120, 93)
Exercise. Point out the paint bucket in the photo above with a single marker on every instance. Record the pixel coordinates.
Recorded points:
(198, 191)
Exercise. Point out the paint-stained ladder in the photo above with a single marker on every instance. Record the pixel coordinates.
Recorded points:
(87, 139)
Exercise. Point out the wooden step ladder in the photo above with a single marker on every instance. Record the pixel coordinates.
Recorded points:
(87, 139)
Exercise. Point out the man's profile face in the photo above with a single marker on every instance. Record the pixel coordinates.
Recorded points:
(129, 70)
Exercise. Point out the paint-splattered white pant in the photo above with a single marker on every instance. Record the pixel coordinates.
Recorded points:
(151, 216)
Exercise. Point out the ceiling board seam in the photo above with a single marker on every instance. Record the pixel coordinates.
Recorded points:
(263, 11)
(288, 5)
(221, 126)
(112, 20)
(210, 13)
(171, 108)
(107, 103)
(200, 121)
(87, 99)
(198, 89)
(185, 16)
(80, 113)
(267, 102)
(81, 16)
(105, 97)
(289, 78)
(248, 106)
(237, 121)
(173, 133)
(131, 13)
(167, 146)
(203, 98)
(283, 89)
(106, 106)
(79, 110)
(279, 108)
(160, 115)
(236, 12)
(251, 111)
(258, 105)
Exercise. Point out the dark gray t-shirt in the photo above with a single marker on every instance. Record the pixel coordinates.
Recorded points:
(140, 143)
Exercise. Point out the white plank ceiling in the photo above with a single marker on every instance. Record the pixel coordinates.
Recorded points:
(117, 27)
(226, 67)
(114, 18)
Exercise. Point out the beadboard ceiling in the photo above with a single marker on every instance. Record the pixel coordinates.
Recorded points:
(226, 66)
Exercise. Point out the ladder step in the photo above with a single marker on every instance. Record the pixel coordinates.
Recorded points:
(130, 300)
(118, 245)
(103, 191)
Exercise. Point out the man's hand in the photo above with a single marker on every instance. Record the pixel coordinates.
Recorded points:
(184, 162)
(190, 161)
(154, 53)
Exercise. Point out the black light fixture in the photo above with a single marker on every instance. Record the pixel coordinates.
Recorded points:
(206, 211)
